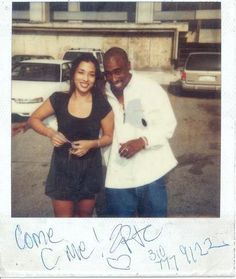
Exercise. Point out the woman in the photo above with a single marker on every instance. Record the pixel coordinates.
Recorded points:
(75, 174)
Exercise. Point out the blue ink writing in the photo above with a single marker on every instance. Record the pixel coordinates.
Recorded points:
(192, 252)
(124, 239)
(122, 234)
(44, 258)
(26, 240)
(165, 262)
(80, 253)
(121, 262)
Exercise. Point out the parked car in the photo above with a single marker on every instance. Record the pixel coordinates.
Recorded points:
(21, 57)
(72, 53)
(33, 81)
(202, 72)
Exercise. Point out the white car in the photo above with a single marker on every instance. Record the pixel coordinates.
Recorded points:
(202, 72)
(33, 81)
(73, 53)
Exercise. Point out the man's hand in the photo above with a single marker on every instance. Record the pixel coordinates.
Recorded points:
(131, 147)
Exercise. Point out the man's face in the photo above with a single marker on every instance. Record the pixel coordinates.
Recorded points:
(117, 73)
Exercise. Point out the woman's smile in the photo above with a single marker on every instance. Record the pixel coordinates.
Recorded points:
(84, 77)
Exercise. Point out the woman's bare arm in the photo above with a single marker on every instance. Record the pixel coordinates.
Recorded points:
(36, 122)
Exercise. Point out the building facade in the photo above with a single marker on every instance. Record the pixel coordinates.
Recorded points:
(155, 34)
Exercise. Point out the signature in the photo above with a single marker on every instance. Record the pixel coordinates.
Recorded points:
(125, 236)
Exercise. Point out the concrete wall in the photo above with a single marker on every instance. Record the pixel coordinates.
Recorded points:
(205, 36)
(145, 51)
(210, 36)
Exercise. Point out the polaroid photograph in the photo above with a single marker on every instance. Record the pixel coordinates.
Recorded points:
(118, 139)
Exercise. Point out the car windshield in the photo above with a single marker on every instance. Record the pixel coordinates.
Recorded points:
(72, 55)
(36, 72)
(204, 62)
(18, 58)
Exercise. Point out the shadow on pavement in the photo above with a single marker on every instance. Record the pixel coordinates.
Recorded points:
(175, 89)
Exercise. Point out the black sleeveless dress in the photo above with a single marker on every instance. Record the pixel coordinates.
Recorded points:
(71, 177)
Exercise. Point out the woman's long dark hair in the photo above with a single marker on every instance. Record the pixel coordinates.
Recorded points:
(99, 85)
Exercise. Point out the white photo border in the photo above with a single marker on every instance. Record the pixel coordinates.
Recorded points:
(175, 236)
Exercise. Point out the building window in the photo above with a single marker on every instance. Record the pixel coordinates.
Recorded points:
(211, 24)
(20, 11)
(209, 6)
(86, 7)
(129, 7)
(20, 6)
(58, 6)
(190, 6)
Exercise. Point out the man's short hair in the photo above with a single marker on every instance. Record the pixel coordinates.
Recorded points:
(116, 51)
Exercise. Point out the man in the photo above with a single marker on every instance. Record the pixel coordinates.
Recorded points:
(140, 154)
(18, 128)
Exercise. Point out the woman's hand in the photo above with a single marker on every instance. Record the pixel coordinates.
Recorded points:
(81, 147)
(58, 139)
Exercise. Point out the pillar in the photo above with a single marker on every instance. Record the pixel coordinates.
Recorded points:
(144, 12)
(39, 12)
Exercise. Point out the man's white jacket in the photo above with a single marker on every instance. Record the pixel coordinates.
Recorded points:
(147, 113)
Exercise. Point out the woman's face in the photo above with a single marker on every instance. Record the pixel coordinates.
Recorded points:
(84, 77)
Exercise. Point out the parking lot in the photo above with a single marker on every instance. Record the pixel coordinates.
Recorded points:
(193, 186)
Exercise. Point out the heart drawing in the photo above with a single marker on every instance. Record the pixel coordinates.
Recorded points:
(122, 262)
